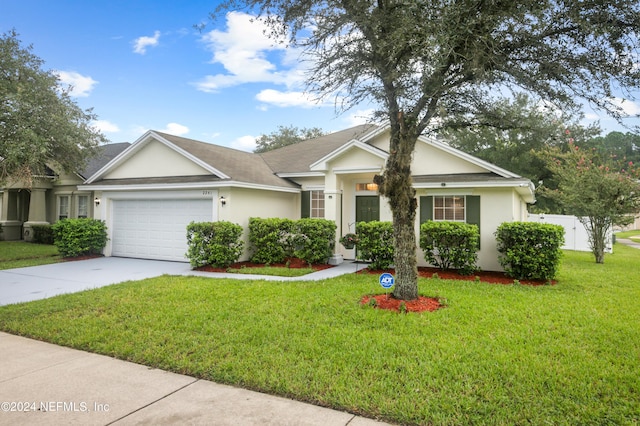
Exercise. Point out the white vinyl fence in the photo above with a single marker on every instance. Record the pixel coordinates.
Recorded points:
(575, 234)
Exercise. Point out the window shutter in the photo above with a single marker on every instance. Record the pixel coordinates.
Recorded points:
(305, 204)
(426, 209)
(473, 210)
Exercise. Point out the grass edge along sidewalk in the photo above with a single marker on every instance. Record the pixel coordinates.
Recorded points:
(504, 354)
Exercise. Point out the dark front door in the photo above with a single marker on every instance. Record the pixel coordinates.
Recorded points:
(367, 208)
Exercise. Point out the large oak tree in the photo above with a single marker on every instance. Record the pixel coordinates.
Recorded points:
(424, 62)
(40, 125)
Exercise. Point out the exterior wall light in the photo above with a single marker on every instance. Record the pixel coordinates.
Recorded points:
(223, 201)
(96, 201)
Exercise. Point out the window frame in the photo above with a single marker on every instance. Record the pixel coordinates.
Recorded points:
(78, 204)
(60, 214)
(317, 211)
(453, 208)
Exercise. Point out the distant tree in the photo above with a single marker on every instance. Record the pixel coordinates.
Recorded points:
(286, 135)
(623, 146)
(514, 135)
(40, 125)
(600, 190)
(426, 62)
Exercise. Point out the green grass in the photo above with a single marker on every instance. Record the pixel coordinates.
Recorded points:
(18, 254)
(634, 235)
(272, 270)
(497, 354)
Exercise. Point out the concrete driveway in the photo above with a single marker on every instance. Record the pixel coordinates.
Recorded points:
(40, 282)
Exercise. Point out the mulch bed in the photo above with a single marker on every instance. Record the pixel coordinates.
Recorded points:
(292, 263)
(492, 277)
(387, 301)
(84, 257)
(430, 304)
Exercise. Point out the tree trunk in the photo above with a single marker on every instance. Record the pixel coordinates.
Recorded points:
(597, 229)
(396, 184)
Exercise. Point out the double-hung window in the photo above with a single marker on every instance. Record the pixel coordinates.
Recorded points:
(63, 206)
(83, 206)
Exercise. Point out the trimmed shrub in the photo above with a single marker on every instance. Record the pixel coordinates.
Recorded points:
(270, 239)
(375, 243)
(450, 245)
(79, 237)
(214, 243)
(530, 250)
(313, 239)
(42, 234)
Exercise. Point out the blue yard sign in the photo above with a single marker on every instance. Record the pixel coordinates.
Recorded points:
(386, 280)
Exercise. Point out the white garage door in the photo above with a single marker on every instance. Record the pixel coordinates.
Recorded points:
(156, 229)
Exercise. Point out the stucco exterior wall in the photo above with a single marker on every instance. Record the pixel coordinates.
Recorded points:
(496, 206)
(357, 159)
(428, 160)
(243, 204)
(155, 160)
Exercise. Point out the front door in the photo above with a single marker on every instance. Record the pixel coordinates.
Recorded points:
(367, 208)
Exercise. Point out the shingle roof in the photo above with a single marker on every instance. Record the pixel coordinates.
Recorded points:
(298, 157)
(240, 166)
(106, 153)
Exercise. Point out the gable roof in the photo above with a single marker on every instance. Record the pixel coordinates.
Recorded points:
(240, 166)
(271, 169)
(224, 164)
(299, 157)
(106, 153)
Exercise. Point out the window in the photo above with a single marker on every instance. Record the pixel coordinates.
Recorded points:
(83, 206)
(317, 204)
(366, 187)
(63, 207)
(448, 208)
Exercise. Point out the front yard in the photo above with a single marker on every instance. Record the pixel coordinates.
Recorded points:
(498, 354)
(18, 254)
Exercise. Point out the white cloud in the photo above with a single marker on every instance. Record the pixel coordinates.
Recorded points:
(362, 116)
(287, 99)
(244, 51)
(629, 108)
(81, 85)
(244, 143)
(141, 43)
(105, 126)
(175, 129)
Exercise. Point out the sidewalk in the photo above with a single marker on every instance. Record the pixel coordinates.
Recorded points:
(628, 242)
(41, 383)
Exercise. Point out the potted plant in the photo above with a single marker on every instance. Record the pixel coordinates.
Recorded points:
(349, 241)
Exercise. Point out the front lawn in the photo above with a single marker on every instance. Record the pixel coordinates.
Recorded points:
(632, 235)
(18, 254)
(272, 270)
(497, 354)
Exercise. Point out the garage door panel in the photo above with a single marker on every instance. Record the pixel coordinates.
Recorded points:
(156, 229)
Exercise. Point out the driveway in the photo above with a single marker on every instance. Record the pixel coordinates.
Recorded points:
(40, 282)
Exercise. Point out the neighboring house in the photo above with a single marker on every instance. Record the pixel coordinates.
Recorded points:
(150, 192)
(50, 198)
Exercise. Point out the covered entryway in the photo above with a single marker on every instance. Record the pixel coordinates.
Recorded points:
(156, 228)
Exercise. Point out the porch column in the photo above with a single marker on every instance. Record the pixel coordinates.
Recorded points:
(37, 212)
(11, 227)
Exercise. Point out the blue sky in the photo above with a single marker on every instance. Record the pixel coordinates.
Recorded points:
(141, 65)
